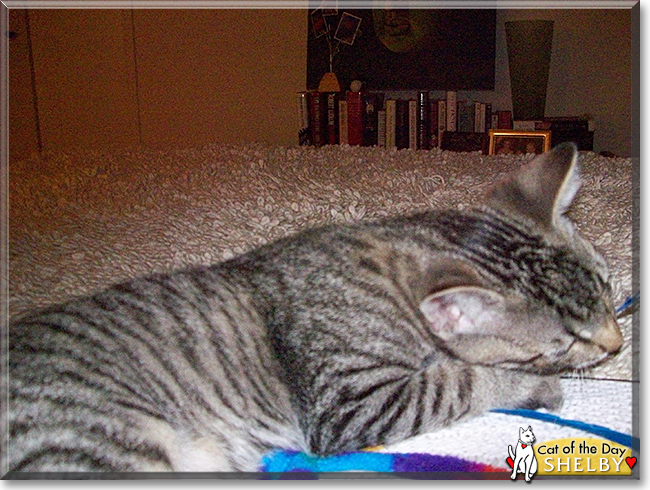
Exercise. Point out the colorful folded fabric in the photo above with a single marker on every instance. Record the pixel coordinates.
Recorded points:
(293, 461)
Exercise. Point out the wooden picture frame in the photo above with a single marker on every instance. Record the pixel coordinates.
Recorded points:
(515, 142)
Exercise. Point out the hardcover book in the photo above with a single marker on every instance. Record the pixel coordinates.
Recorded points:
(304, 137)
(452, 102)
(479, 117)
(465, 116)
(442, 119)
(402, 124)
(433, 124)
(317, 118)
(504, 119)
(465, 141)
(424, 124)
(371, 104)
(391, 111)
(488, 117)
(343, 121)
(355, 118)
(413, 124)
(381, 128)
(332, 116)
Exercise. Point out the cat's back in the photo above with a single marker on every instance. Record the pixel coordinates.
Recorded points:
(154, 374)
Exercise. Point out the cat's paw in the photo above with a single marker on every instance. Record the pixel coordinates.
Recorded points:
(546, 393)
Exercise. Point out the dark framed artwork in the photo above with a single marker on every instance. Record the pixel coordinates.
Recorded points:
(404, 49)
(513, 142)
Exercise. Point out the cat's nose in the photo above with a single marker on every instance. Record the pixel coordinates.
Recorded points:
(609, 336)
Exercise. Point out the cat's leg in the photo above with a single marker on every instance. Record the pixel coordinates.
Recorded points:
(387, 404)
(528, 473)
(532, 467)
(515, 468)
(505, 388)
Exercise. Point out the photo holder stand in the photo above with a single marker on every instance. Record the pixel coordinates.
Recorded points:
(347, 29)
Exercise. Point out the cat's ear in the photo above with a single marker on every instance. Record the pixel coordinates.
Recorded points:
(462, 310)
(471, 321)
(543, 189)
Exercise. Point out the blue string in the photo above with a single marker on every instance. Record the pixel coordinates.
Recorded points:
(599, 430)
(629, 302)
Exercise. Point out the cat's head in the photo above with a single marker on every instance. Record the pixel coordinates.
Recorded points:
(526, 435)
(530, 293)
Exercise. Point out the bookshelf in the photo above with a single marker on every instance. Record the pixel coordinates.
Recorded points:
(431, 119)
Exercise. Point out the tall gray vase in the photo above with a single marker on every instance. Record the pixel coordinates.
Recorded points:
(529, 58)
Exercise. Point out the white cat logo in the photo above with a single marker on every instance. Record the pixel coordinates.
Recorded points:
(523, 459)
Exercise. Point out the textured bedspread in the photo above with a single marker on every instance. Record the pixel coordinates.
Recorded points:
(82, 220)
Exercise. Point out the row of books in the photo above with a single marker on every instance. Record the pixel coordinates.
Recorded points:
(371, 119)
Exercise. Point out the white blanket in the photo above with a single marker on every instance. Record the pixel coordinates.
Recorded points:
(82, 220)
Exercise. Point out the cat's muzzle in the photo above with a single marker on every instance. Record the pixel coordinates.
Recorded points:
(609, 336)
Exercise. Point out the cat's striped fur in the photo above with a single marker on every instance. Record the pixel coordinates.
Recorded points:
(335, 339)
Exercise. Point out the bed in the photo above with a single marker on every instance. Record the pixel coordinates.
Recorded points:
(81, 220)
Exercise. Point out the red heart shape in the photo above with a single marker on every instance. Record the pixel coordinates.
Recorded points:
(511, 462)
(630, 462)
(523, 446)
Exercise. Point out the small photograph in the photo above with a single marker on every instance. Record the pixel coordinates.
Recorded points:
(348, 28)
(318, 23)
(508, 142)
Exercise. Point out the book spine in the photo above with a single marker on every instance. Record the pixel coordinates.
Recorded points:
(505, 119)
(370, 119)
(424, 121)
(524, 125)
(402, 124)
(316, 112)
(413, 124)
(465, 141)
(462, 116)
(390, 123)
(304, 137)
(343, 121)
(433, 124)
(355, 118)
(568, 125)
(442, 120)
(479, 117)
(381, 128)
(488, 117)
(452, 101)
(332, 133)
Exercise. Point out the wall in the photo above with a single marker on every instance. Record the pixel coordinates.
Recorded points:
(590, 72)
(23, 135)
(109, 78)
(83, 65)
(225, 76)
(220, 75)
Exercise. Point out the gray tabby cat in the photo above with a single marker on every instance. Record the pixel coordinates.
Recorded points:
(335, 339)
